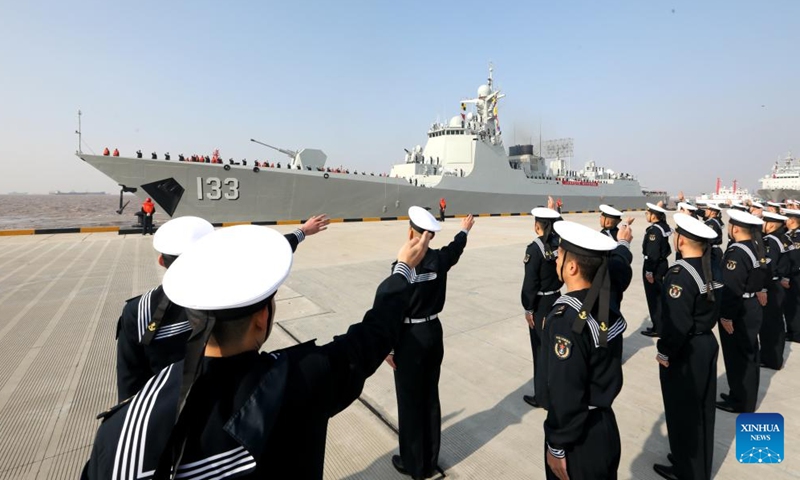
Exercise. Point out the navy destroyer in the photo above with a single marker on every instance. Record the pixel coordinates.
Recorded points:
(463, 161)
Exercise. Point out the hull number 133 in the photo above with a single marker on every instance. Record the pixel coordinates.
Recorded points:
(213, 188)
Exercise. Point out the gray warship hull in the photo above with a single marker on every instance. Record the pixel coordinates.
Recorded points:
(779, 194)
(240, 194)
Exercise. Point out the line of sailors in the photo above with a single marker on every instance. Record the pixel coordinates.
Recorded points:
(192, 383)
(198, 400)
(216, 159)
(747, 290)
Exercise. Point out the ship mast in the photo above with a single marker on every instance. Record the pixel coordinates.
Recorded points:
(78, 131)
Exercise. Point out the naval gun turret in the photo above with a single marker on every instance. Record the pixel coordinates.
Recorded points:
(307, 158)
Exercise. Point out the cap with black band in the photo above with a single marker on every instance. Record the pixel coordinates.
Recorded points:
(584, 241)
(422, 220)
(696, 230)
(256, 261)
(172, 239)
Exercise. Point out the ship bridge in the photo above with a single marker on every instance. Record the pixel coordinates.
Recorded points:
(451, 147)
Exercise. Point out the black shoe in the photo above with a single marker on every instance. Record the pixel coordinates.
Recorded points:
(727, 397)
(649, 332)
(665, 471)
(671, 458)
(727, 407)
(531, 400)
(397, 463)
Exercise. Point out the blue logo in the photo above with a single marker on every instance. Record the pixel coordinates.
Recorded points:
(759, 438)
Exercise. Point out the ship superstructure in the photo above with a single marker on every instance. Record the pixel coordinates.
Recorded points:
(783, 183)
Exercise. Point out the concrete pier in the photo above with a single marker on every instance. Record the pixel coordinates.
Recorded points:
(61, 295)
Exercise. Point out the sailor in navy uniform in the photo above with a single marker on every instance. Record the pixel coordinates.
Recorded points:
(540, 287)
(226, 409)
(714, 220)
(773, 327)
(791, 304)
(688, 209)
(417, 357)
(757, 209)
(740, 207)
(656, 250)
(583, 361)
(687, 352)
(744, 274)
(619, 262)
(152, 331)
(774, 207)
(702, 210)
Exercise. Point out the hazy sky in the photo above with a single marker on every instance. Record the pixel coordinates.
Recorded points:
(678, 92)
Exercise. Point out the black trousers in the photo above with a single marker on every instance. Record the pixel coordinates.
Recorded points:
(441, 214)
(148, 225)
(742, 357)
(418, 357)
(689, 389)
(791, 310)
(773, 328)
(653, 292)
(597, 453)
(542, 309)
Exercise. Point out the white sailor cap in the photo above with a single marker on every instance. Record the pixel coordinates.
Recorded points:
(775, 204)
(231, 268)
(543, 213)
(713, 206)
(655, 208)
(583, 240)
(739, 207)
(422, 220)
(688, 226)
(744, 219)
(686, 206)
(178, 234)
(757, 205)
(774, 217)
(790, 212)
(609, 211)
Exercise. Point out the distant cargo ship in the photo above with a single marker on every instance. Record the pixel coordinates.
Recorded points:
(73, 192)
(729, 195)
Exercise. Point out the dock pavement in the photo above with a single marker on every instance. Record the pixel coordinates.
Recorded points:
(61, 296)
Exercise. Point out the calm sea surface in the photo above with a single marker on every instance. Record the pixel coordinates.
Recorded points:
(58, 211)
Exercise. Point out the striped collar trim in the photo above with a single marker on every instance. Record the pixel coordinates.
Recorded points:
(747, 250)
(618, 328)
(697, 278)
(780, 244)
(144, 316)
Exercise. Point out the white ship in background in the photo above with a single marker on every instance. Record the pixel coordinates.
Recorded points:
(726, 195)
(783, 183)
(463, 161)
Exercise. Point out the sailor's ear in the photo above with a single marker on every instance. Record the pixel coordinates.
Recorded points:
(161, 261)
